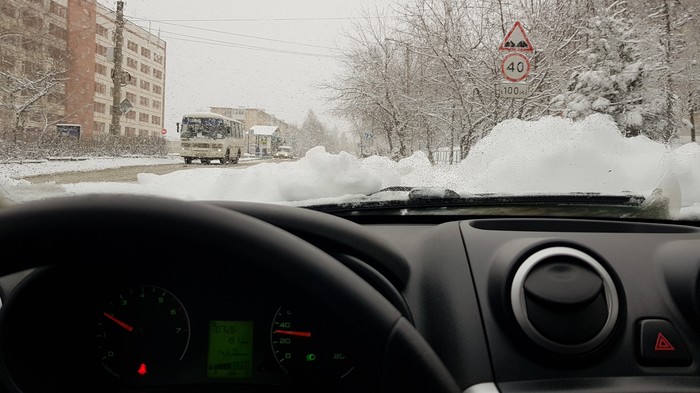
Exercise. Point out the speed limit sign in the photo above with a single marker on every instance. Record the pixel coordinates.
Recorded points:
(515, 67)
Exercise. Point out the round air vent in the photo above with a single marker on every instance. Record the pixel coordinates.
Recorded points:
(564, 300)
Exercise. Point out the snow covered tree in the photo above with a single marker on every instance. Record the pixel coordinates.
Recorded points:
(313, 133)
(610, 79)
(32, 82)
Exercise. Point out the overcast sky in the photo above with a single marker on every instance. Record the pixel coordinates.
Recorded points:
(268, 54)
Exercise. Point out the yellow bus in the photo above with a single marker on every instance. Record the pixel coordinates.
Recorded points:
(207, 136)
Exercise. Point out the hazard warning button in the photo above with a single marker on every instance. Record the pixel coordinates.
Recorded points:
(661, 345)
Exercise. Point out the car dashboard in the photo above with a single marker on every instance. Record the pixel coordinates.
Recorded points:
(233, 296)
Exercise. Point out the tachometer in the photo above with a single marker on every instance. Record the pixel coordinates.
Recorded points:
(306, 346)
(141, 332)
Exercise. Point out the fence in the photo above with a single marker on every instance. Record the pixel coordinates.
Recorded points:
(41, 145)
(442, 156)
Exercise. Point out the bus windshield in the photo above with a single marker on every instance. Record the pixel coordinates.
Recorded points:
(204, 127)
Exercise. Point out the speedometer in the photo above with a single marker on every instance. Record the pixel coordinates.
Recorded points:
(309, 347)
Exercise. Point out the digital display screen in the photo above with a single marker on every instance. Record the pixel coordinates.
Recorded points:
(230, 349)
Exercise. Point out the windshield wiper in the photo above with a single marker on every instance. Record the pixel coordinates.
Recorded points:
(422, 200)
(415, 193)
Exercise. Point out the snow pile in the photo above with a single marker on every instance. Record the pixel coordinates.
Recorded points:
(551, 155)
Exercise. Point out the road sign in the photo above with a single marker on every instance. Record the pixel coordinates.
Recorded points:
(515, 67)
(516, 40)
(125, 106)
(514, 90)
(163, 131)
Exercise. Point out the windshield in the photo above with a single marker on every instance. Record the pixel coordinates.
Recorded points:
(587, 107)
(203, 127)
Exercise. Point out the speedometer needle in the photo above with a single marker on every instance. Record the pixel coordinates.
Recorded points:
(293, 333)
(118, 322)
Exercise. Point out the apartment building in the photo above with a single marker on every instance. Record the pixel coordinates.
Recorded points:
(143, 64)
(78, 35)
(33, 42)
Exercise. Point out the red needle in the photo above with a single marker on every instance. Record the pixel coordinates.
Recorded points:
(118, 322)
(293, 333)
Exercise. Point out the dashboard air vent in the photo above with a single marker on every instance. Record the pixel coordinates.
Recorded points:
(564, 300)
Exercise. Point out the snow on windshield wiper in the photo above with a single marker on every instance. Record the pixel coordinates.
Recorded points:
(419, 200)
(429, 193)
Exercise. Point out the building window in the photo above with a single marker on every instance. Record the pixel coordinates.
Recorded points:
(57, 9)
(31, 46)
(100, 88)
(101, 50)
(131, 97)
(131, 115)
(143, 117)
(155, 120)
(58, 32)
(158, 58)
(158, 73)
(56, 53)
(30, 20)
(145, 52)
(99, 127)
(132, 81)
(145, 69)
(101, 30)
(144, 101)
(143, 132)
(130, 131)
(100, 107)
(132, 46)
(131, 62)
(157, 89)
(156, 104)
(145, 85)
(100, 69)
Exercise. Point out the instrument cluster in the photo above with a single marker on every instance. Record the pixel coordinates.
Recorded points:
(178, 327)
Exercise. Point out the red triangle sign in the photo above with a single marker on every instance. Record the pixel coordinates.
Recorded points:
(516, 40)
(662, 344)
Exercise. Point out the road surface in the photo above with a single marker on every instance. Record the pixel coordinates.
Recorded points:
(125, 174)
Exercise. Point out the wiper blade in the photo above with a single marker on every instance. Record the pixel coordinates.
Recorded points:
(420, 200)
(429, 193)
(437, 194)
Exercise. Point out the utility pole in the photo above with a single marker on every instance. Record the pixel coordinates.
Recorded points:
(117, 77)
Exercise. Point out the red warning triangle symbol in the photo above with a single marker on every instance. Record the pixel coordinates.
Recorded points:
(516, 40)
(662, 344)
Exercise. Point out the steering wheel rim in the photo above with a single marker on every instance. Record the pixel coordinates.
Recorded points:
(408, 362)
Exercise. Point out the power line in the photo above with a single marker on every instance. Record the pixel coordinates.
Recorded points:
(200, 40)
(240, 35)
(258, 19)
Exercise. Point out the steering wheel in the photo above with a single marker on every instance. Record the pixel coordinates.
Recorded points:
(86, 229)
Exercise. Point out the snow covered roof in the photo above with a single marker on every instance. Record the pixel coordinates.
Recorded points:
(263, 130)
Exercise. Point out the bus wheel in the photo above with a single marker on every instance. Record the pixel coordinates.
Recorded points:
(188, 160)
(226, 159)
(204, 161)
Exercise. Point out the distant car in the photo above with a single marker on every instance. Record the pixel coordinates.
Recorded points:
(283, 152)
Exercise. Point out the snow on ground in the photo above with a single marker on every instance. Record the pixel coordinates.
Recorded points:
(551, 155)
